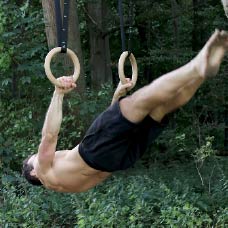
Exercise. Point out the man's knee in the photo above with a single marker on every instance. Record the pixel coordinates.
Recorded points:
(158, 113)
(132, 110)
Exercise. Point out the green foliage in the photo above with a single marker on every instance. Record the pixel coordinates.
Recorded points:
(145, 198)
(19, 136)
(204, 151)
(21, 44)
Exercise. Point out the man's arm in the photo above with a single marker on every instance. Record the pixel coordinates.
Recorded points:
(52, 123)
(121, 90)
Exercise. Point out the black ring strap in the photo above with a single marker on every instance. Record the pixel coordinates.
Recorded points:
(62, 23)
(123, 37)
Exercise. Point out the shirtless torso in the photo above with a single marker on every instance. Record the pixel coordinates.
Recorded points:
(63, 171)
(69, 173)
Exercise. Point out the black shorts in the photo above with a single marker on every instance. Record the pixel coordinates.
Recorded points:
(114, 143)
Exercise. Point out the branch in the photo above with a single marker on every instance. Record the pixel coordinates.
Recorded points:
(201, 178)
(92, 20)
(209, 184)
(112, 30)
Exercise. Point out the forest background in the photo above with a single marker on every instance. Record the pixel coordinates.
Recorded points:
(182, 180)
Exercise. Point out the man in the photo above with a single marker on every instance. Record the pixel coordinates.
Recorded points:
(120, 135)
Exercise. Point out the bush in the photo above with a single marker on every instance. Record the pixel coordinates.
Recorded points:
(137, 198)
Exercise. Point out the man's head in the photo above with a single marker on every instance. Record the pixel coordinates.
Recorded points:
(29, 172)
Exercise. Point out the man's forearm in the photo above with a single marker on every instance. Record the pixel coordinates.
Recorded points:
(54, 116)
(114, 99)
(121, 90)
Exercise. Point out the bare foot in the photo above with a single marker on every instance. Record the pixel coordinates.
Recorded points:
(208, 61)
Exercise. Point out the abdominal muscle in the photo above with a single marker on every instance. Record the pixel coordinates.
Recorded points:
(69, 173)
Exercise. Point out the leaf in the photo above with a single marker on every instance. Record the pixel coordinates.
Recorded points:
(6, 81)
(25, 80)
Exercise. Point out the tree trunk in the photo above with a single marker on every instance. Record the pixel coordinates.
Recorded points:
(15, 86)
(100, 60)
(197, 21)
(175, 23)
(74, 42)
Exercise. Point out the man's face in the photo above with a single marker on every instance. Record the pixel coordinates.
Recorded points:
(32, 159)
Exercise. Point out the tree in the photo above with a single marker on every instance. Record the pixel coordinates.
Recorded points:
(97, 12)
(74, 42)
(196, 31)
(175, 23)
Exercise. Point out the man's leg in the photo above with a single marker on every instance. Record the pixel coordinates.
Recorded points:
(182, 97)
(204, 65)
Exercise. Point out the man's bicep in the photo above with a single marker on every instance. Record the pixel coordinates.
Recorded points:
(46, 150)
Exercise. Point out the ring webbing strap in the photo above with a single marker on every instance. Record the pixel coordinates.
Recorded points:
(130, 27)
(62, 23)
(123, 37)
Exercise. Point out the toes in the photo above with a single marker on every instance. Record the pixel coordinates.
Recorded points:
(224, 35)
(213, 38)
(224, 38)
(219, 38)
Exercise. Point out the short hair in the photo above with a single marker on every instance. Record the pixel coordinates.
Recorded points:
(27, 168)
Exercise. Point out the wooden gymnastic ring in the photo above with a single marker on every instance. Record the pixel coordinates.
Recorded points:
(133, 65)
(47, 67)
